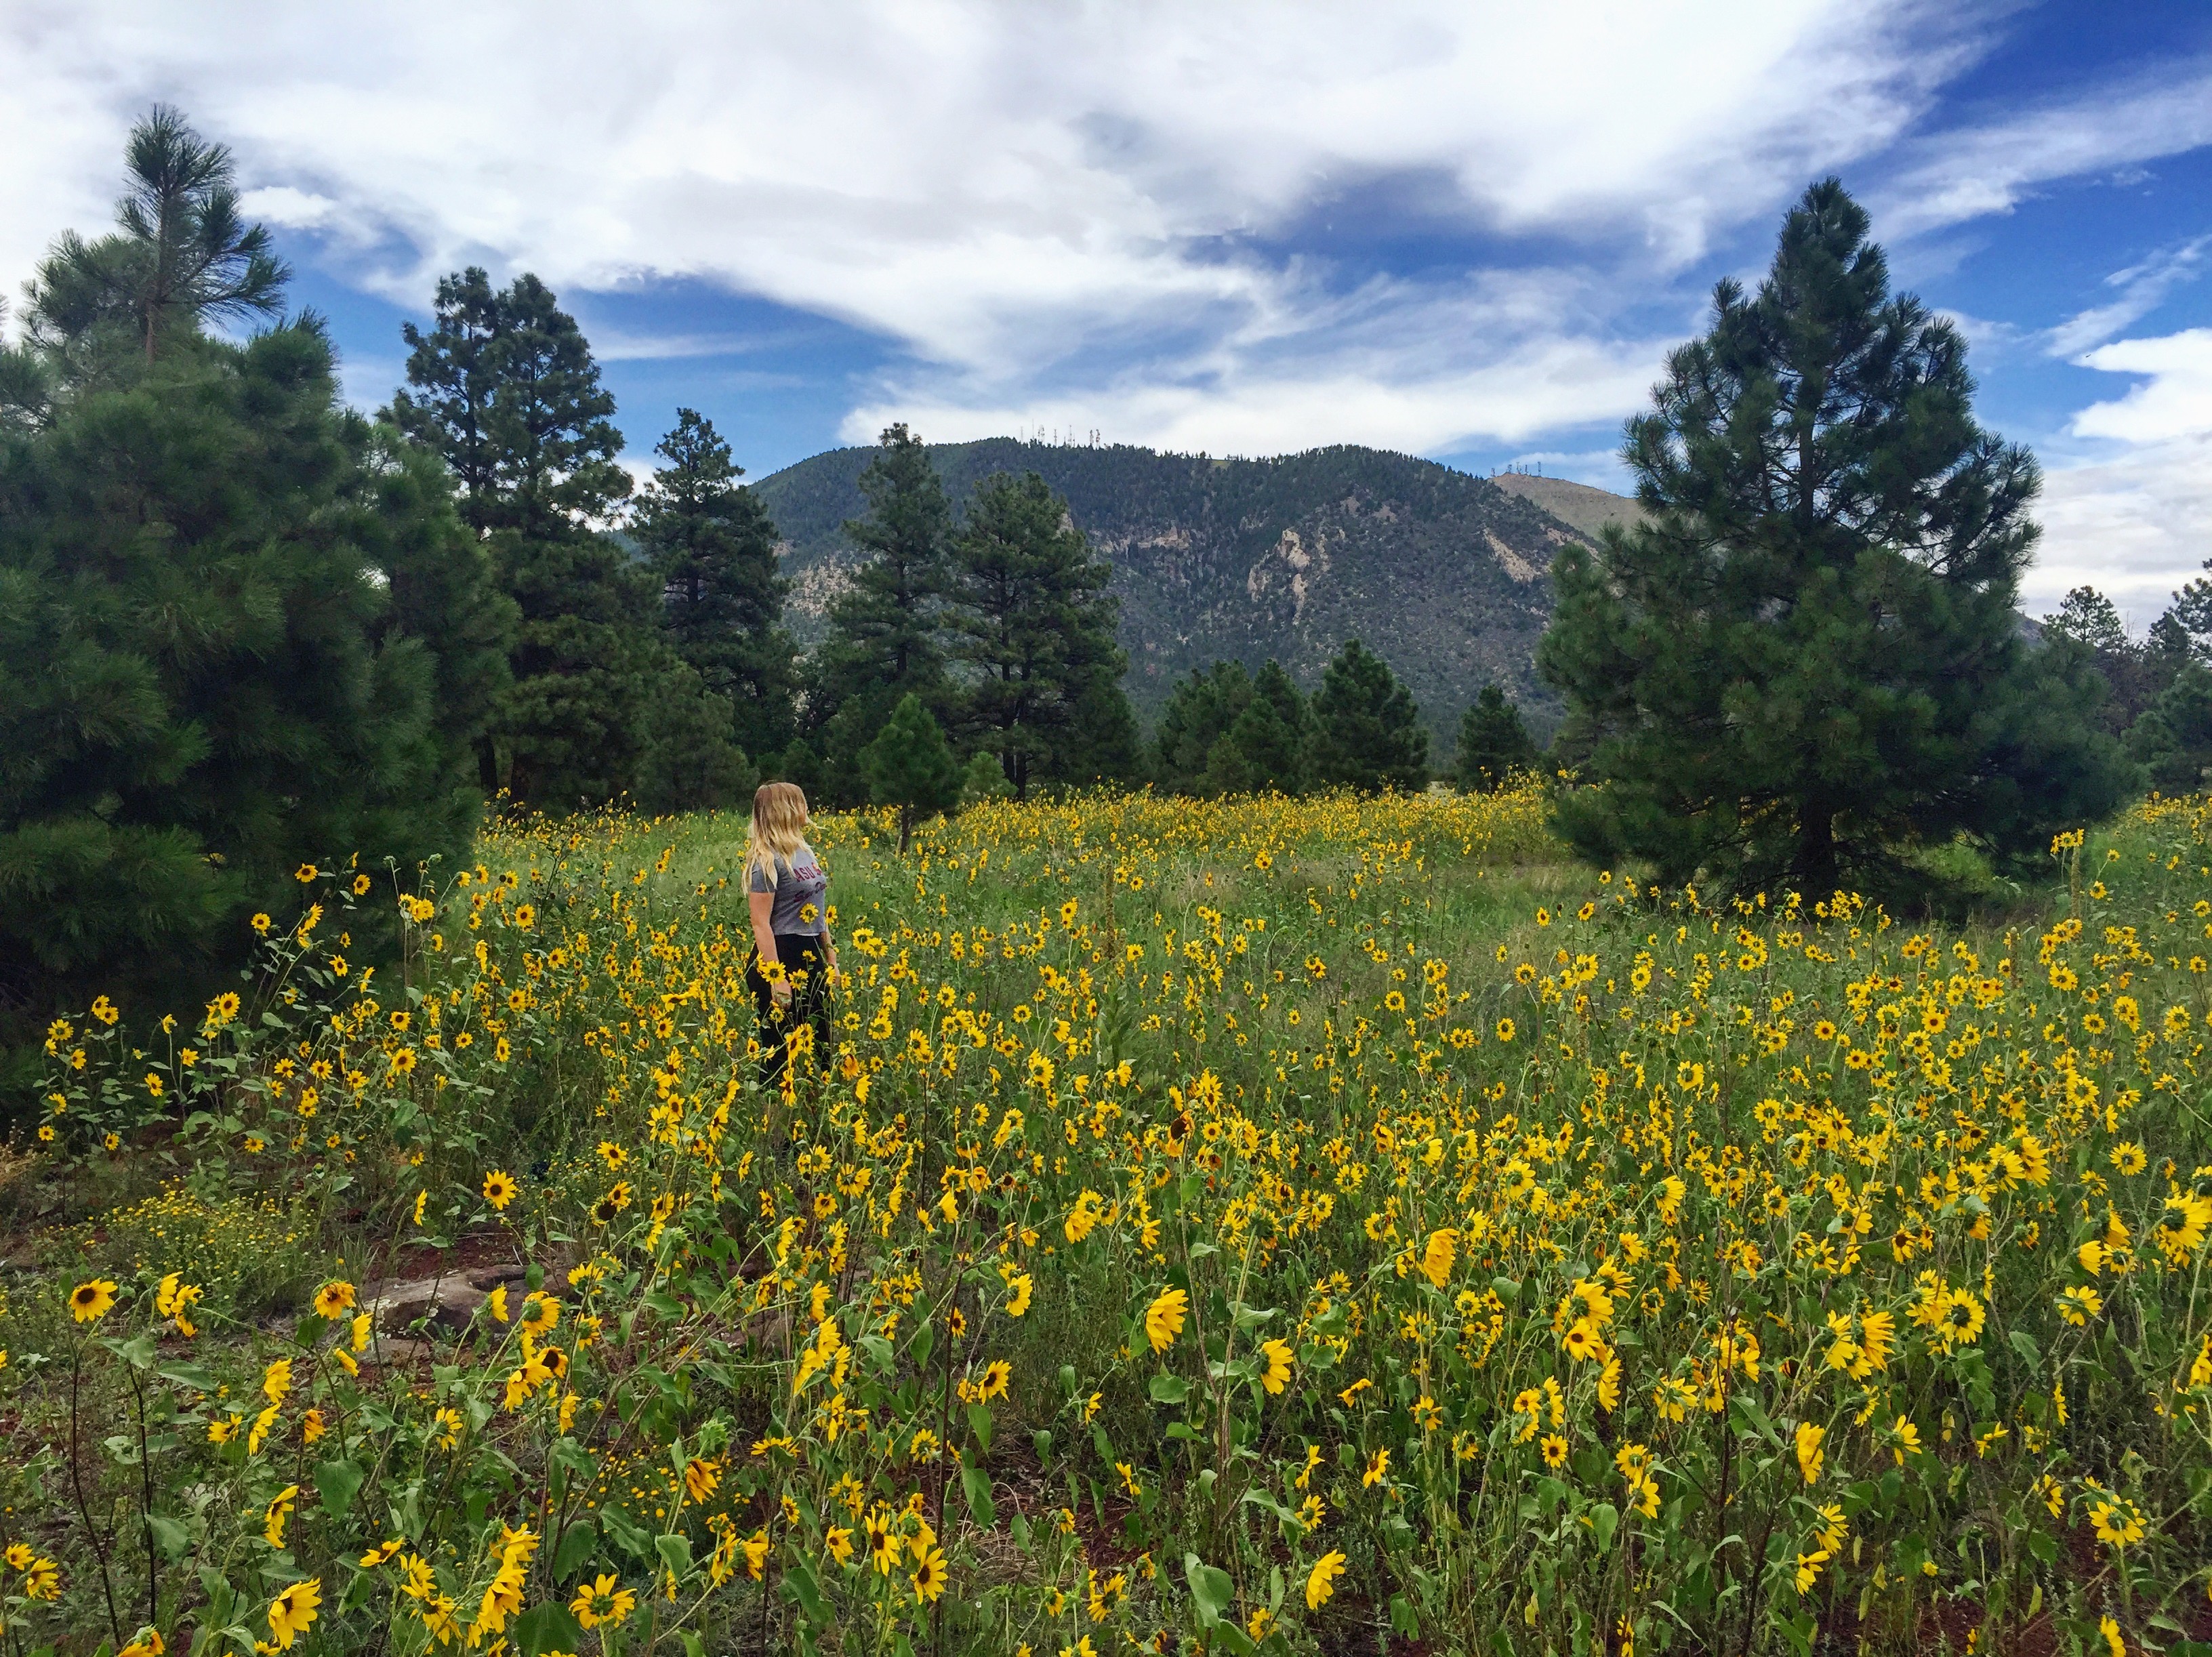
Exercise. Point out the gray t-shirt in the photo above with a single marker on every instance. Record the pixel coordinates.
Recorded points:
(801, 888)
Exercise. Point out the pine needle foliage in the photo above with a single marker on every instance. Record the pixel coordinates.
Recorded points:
(1808, 663)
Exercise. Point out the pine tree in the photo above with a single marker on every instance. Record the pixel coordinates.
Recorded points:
(2135, 672)
(2173, 738)
(884, 641)
(183, 253)
(713, 548)
(456, 371)
(507, 392)
(692, 760)
(909, 765)
(1369, 733)
(797, 764)
(343, 636)
(1030, 619)
(984, 777)
(443, 593)
(1274, 733)
(1101, 743)
(1493, 743)
(1807, 661)
(1201, 707)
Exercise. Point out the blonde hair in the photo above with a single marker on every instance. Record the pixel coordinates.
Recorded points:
(777, 832)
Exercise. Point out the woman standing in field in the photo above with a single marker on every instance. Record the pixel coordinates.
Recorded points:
(794, 959)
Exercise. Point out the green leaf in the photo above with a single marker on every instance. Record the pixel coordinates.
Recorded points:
(978, 1422)
(171, 1537)
(137, 1351)
(1604, 1519)
(675, 1552)
(1168, 1389)
(976, 1484)
(1755, 1413)
(1211, 1588)
(1233, 1640)
(549, 1627)
(339, 1482)
(222, 1597)
(578, 1544)
(631, 1537)
(693, 1645)
(799, 1579)
(1401, 1617)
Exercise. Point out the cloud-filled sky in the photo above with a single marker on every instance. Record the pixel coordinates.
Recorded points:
(1466, 229)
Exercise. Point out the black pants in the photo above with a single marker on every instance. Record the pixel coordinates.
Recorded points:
(807, 969)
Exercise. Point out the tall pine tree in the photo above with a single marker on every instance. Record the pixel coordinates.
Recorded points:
(1369, 733)
(1807, 660)
(182, 253)
(507, 393)
(885, 628)
(242, 629)
(713, 545)
(1031, 620)
(2135, 672)
(1227, 732)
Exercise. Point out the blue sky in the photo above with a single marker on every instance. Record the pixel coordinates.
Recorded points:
(1468, 230)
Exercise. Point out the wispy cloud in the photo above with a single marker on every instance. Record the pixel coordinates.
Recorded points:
(1978, 168)
(2142, 288)
(1103, 215)
(1015, 195)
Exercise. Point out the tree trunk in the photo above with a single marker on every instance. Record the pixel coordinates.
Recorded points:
(1817, 852)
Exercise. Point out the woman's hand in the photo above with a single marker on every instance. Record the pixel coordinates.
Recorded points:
(779, 989)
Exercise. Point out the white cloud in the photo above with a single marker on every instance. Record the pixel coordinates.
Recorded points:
(1001, 189)
(1074, 214)
(2175, 402)
(2136, 527)
(1551, 384)
(2133, 517)
(297, 210)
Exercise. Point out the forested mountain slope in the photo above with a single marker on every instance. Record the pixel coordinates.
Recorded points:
(1442, 574)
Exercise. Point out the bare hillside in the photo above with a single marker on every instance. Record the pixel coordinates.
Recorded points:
(1577, 504)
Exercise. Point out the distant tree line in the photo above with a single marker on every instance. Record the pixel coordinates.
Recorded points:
(2158, 688)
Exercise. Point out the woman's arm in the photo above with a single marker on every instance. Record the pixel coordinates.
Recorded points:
(761, 906)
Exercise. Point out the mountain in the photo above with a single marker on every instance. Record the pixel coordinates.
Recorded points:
(1441, 573)
(1576, 504)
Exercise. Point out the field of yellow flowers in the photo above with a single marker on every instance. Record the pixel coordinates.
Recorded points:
(1327, 1225)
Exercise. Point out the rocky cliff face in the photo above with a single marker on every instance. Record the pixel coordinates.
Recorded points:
(1443, 574)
